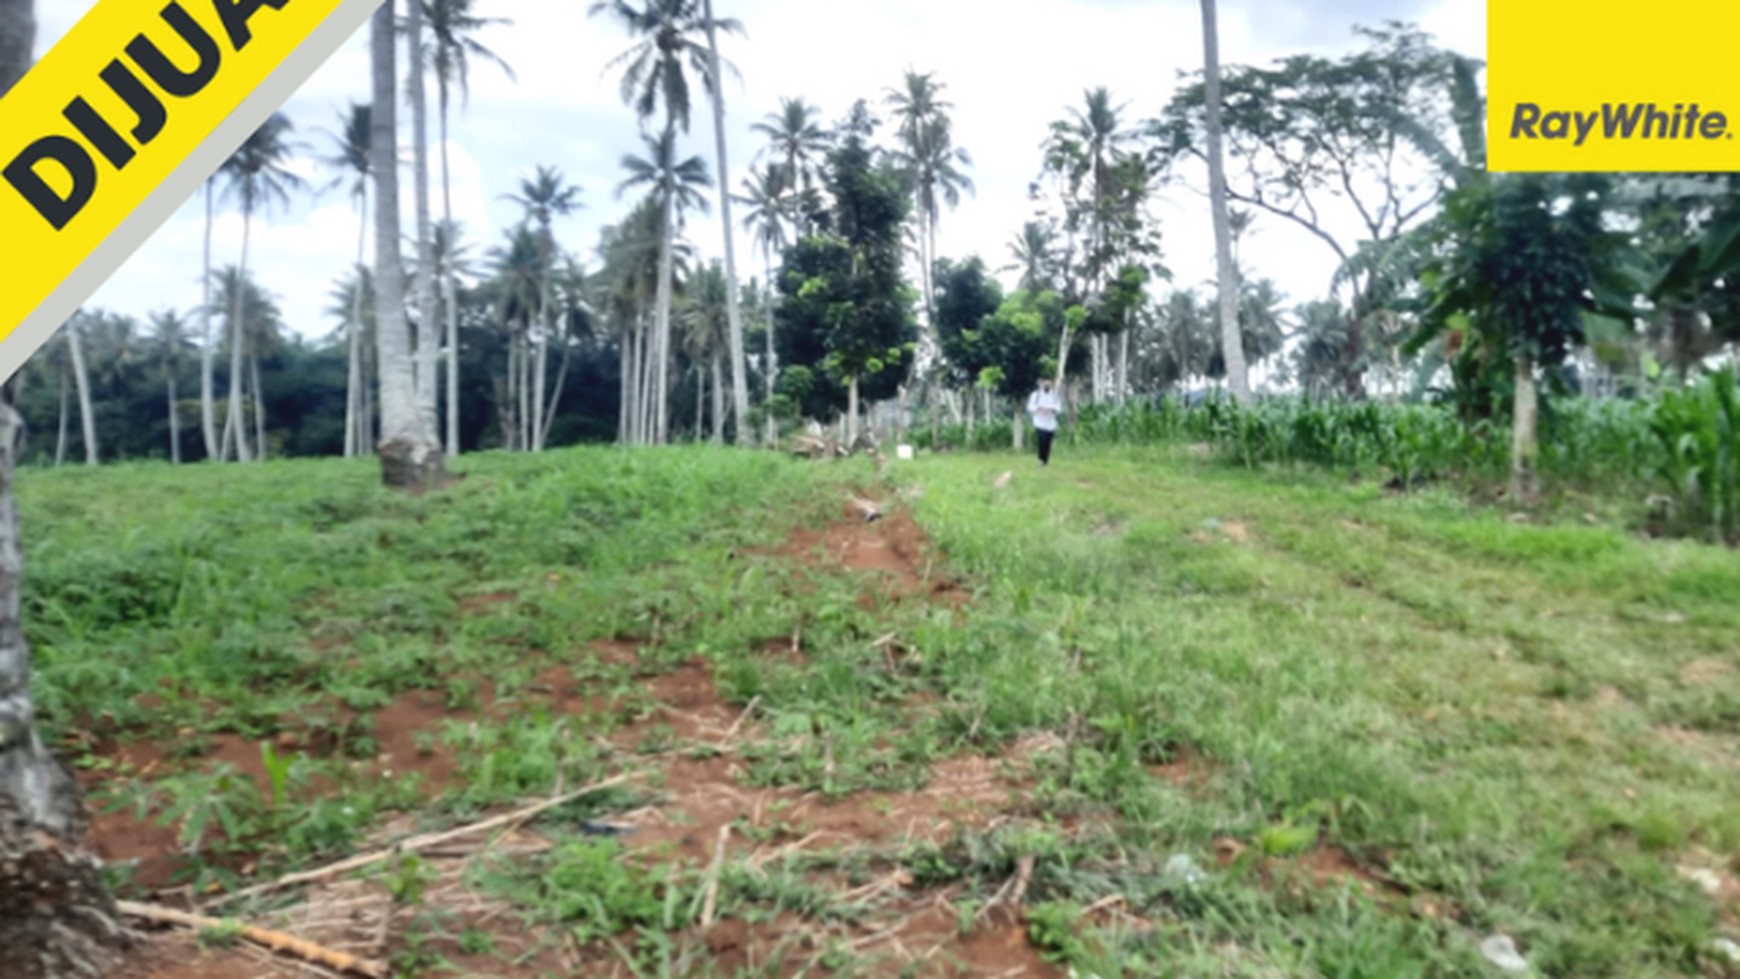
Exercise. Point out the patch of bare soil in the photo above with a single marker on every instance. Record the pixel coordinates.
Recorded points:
(1702, 672)
(703, 809)
(892, 548)
(405, 732)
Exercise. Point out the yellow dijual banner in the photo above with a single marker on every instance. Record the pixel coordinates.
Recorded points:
(121, 122)
(1612, 85)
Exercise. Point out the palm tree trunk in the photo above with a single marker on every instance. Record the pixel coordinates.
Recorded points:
(852, 411)
(58, 913)
(667, 245)
(238, 342)
(700, 399)
(624, 386)
(767, 373)
(353, 422)
(510, 408)
(650, 399)
(734, 315)
(1124, 366)
(87, 418)
(366, 422)
(719, 403)
(207, 408)
(541, 370)
(451, 288)
(174, 421)
(1523, 478)
(410, 452)
(1232, 344)
(259, 407)
(555, 395)
(528, 409)
(60, 440)
(428, 328)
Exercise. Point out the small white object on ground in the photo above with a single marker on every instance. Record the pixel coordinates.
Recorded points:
(1184, 869)
(1709, 880)
(903, 451)
(1501, 951)
(1727, 948)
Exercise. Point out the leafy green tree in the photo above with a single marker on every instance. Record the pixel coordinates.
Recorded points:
(1315, 142)
(1524, 261)
(965, 295)
(846, 312)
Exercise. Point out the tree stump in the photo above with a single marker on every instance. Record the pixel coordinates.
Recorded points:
(57, 920)
(413, 466)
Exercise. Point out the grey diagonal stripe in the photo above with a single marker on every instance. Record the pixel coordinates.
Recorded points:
(41, 323)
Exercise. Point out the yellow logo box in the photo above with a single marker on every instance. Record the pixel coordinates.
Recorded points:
(1610, 86)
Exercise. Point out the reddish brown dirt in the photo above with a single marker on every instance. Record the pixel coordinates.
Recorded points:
(702, 791)
(1188, 768)
(475, 604)
(893, 549)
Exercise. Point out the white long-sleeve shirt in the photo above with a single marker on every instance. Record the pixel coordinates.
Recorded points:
(1043, 407)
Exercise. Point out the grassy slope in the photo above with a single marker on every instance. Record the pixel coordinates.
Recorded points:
(1473, 705)
(1527, 726)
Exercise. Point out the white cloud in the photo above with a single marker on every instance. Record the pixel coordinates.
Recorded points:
(1009, 70)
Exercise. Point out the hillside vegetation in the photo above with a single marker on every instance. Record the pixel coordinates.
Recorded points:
(1138, 714)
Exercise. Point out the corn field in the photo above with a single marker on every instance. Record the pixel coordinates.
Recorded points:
(1677, 454)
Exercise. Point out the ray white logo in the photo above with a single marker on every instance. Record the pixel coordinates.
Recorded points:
(1619, 122)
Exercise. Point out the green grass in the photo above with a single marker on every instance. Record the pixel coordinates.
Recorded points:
(1529, 723)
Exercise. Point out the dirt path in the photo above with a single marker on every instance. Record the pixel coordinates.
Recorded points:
(703, 801)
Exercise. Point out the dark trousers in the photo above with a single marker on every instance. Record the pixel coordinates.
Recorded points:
(1044, 438)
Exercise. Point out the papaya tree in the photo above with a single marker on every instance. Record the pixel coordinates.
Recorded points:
(1523, 263)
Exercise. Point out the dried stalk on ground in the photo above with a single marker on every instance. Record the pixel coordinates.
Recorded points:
(420, 843)
(277, 941)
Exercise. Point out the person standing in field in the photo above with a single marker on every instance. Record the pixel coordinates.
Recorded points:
(1043, 406)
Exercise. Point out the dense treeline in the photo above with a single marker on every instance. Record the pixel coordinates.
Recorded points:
(1502, 299)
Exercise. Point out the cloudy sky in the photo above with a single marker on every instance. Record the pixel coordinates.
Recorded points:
(1008, 68)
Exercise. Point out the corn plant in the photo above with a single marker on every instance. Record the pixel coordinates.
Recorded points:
(1700, 430)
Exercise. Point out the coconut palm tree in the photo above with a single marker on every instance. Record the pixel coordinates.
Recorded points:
(797, 140)
(255, 174)
(573, 319)
(630, 256)
(452, 30)
(544, 197)
(931, 161)
(353, 306)
(770, 205)
(676, 186)
(734, 314)
(207, 384)
(410, 451)
(1232, 344)
(674, 38)
(1033, 252)
(82, 379)
(169, 332)
(427, 330)
(515, 287)
(705, 324)
(352, 159)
